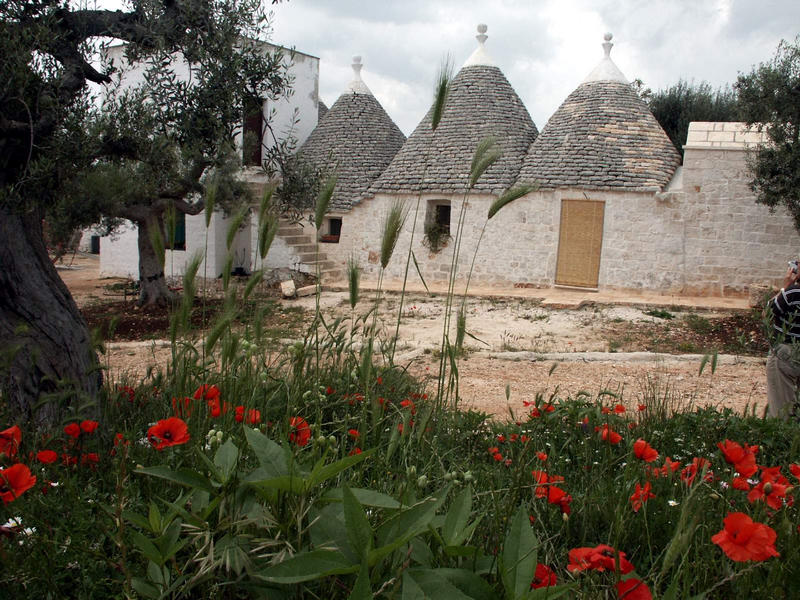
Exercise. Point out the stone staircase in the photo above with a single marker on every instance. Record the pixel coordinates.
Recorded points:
(301, 240)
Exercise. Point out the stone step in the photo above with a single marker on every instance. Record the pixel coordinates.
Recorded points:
(307, 248)
(297, 240)
(310, 257)
(323, 264)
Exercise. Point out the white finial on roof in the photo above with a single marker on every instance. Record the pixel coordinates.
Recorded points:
(606, 70)
(357, 86)
(480, 56)
(607, 45)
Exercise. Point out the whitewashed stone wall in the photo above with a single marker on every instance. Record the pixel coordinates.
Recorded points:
(704, 234)
(732, 243)
(517, 249)
(119, 253)
(295, 115)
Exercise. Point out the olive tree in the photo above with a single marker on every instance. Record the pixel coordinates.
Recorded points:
(47, 49)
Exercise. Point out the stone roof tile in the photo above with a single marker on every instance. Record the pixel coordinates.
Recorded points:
(481, 103)
(358, 139)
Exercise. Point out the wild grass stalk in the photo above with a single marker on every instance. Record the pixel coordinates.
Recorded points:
(487, 152)
(444, 79)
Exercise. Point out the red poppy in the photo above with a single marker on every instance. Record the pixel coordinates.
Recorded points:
(299, 431)
(69, 460)
(619, 408)
(353, 433)
(73, 430)
(251, 417)
(206, 392)
(644, 451)
(497, 456)
(89, 426)
(493, 450)
(795, 470)
(742, 539)
(670, 466)
(599, 558)
(46, 456)
(9, 440)
(541, 456)
(740, 483)
(633, 589)
(217, 407)
(605, 410)
(610, 436)
(501, 438)
(354, 451)
(697, 465)
(742, 458)
(640, 496)
(127, 392)
(514, 437)
(544, 576)
(642, 407)
(14, 481)
(92, 458)
(182, 407)
(772, 489)
(535, 413)
(168, 432)
(409, 404)
(524, 439)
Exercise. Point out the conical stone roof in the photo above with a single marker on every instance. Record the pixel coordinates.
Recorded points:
(481, 103)
(356, 138)
(603, 137)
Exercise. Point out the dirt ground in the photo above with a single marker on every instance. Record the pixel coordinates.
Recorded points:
(634, 351)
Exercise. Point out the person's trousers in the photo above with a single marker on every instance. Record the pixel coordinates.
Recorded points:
(783, 376)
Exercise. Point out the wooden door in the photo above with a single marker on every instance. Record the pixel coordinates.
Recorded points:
(580, 242)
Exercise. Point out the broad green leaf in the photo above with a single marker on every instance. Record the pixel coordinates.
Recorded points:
(154, 518)
(185, 477)
(468, 582)
(411, 589)
(136, 519)
(269, 454)
(365, 497)
(406, 524)
(359, 531)
(460, 550)
(308, 566)
(144, 589)
(285, 483)
(457, 518)
(362, 589)
(519, 555)
(329, 531)
(147, 548)
(432, 584)
(333, 469)
(226, 458)
(155, 574)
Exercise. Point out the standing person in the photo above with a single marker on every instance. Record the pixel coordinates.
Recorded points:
(783, 362)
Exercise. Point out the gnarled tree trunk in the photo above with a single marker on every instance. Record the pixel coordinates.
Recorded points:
(45, 340)
(153, 288)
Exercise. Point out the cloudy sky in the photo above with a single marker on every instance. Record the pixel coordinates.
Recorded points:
(544, 47)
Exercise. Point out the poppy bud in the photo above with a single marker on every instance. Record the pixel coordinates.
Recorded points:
(564, 517)
(332, 441)
(412, 471)
(422, 481)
